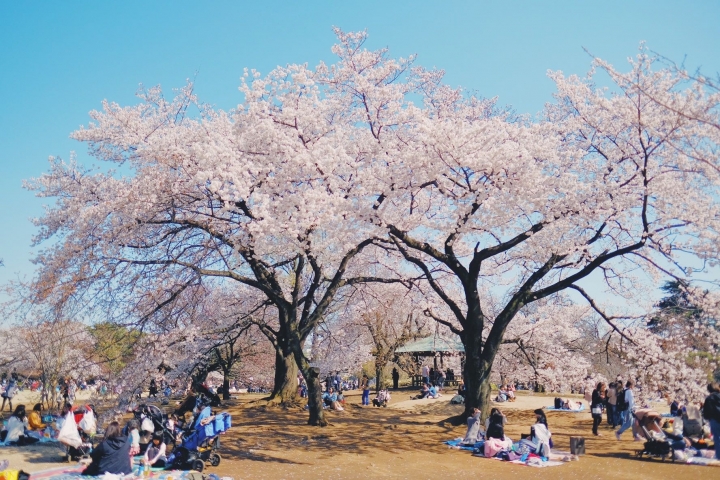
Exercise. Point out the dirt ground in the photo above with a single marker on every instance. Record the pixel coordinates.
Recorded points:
(402, 441)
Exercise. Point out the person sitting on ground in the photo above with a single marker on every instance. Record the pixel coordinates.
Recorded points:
(571, 405)
(112, 455)
(495, 439)
(692, 422)
(424, 392)
(495, 411)
(382, 399)
(35, 418)
(540, 434)
(330, 400)
(16, 426)
(461, 388)
(510, 389)
(155, 455)
(433, 392)
(474, 433)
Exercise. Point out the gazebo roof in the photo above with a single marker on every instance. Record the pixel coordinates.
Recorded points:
(431, 345)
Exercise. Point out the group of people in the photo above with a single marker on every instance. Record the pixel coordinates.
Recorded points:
(115, 452)
(506, 393)
(21, 424)
(647, 423)
(434, 377)
(427, 390)
(496, 444)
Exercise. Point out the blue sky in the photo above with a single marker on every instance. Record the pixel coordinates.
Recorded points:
(59, 60)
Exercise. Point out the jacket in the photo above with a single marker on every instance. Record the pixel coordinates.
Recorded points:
(15, 428)
(35, 421)
(111, 456)
(711, 408)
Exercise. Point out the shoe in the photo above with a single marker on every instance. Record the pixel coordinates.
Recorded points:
(617, 435)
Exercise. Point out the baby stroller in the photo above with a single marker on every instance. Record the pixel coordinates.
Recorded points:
(150, 413)
(201, 442)
(655, 447)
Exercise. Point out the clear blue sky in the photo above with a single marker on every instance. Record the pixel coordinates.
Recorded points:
(59, 60)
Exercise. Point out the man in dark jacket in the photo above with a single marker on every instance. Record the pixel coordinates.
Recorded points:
(711, 412)
(112, 455)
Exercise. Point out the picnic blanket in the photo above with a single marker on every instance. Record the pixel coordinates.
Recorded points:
(74, 473)
(577, 410)
(708, 462)
(533, 461)
(60, 473)
(457, 444)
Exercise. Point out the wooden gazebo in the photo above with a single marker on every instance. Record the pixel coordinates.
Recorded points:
(433, 346)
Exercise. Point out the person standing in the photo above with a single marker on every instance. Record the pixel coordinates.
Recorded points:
(338, 382)
(396, 378)
(626, 407)
(9, 393)
(365, 386)
(425, 371)
(153, 390)
(329, 381)
(711, 412)
(597, 400)
(610, 402)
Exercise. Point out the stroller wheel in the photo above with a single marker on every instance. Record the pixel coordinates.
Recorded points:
(198, 465)
(214, 459)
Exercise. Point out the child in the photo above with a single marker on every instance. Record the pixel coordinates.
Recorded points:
(155, 453)
(133, 428)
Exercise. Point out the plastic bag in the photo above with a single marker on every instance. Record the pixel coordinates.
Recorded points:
(677, 425)
(88, 423)
(147, 425)
(68, 433)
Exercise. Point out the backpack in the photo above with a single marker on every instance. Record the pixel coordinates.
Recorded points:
(621, 405)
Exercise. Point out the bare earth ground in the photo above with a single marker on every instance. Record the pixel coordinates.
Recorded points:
(403, 441)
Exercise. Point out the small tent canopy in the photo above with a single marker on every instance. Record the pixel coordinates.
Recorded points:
(432, 346)
(428, 346)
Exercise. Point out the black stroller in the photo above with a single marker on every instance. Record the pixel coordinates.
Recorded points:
(654, 447)
(159, 420)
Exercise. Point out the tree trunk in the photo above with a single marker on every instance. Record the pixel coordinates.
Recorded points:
(315, 402)
(312, 379)
(286, 387)
(226, 384)
(477, 376)
(378, 378)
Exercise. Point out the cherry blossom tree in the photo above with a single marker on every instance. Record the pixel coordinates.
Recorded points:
(257, 196)
(373, 170)
(605, 184)
(544, 345)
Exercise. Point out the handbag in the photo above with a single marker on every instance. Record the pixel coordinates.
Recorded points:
(596, 411)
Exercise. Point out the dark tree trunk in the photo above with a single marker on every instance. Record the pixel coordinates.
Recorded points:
(312, 379)
(378, 378)
(315, 402)
(477, 375)
(286, 388)
(226, 384)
